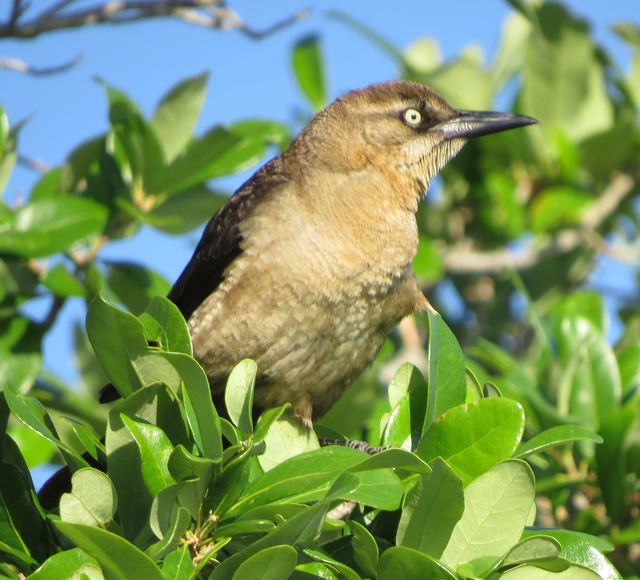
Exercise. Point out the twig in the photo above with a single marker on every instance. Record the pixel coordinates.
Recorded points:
(17, 8)
(23, 67)
(34, 164)
(275, 27)
(54, 310)
(207, 13)
(463, 259)
(57, 7)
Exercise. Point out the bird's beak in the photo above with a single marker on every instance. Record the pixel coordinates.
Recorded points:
(477, 123)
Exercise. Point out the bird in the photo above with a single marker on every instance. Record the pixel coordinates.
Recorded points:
(308, 266)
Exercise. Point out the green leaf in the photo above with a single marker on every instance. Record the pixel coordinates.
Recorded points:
(510, 52)
(427, 263)
(238, 395)
(219, 152)
(62, 282)
(155, 404)
(563, 82)
(589, 557)
(451, 77)
(34, 450)
(79, 163)
(177, 114)
(393, 458)
(117, 339)
(73, 563)
(423, 55)
(365, 549)
(201, 414)
(309, 71)
(8, 156)
(308, 475)
(134, 285)
(4, 129)
(496, 508)
(170, 319)
(528, 572)
(611, 460)
(629, 363)
(180, 523)
(33, 414)
(266, 420)
(270, 132)
(185, 210)
(431, 510)
(195, 472)
(474, 438)
(47, 226)
(447, 380)
(591, 386)
(92, 500)
(88, 438)
(404, 426)
(535, 548)
(569, 538)
(558, 206)
(316, 570)
(118, 558)
(299, 529)
(589, 305)
(329, 566)
(402, 563)
(24, 532)
(136, 140)
(378, 488)
(178, 564)
(286, 438)
(271, 563)
(155, 449)
(553, 436)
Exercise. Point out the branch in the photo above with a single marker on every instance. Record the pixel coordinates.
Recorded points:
(207, 13)
(34, 164)
(17, 9)
(21, 66)
(463, 259)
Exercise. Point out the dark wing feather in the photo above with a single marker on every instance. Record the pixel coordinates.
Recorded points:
(221, 242)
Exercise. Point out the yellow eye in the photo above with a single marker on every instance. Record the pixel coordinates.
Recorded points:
(412, 117)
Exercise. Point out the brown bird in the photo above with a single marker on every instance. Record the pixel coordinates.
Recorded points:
(308, 266)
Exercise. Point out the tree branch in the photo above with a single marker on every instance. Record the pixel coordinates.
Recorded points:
(23, 67)
(34, 164)
(207, 13)
(463, 259)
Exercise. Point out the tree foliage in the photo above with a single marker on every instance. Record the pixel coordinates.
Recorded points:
(516, 456)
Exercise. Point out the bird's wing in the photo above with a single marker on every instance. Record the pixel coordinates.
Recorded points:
(220, 244)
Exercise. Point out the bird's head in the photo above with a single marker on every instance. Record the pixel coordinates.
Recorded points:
(402, 128)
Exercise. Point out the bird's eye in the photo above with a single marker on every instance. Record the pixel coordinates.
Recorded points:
(412, 117)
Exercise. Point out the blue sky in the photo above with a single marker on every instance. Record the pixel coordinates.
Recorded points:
(248, 79)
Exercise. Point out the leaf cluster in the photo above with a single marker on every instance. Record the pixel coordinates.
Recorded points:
(188, 493)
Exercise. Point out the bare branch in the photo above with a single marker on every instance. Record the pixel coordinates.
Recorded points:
(275, 27)
(52, 315)
(17, 9)
(33, 164)
(463, 259)
(57, 7)
(208, 13)
(23, 67)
